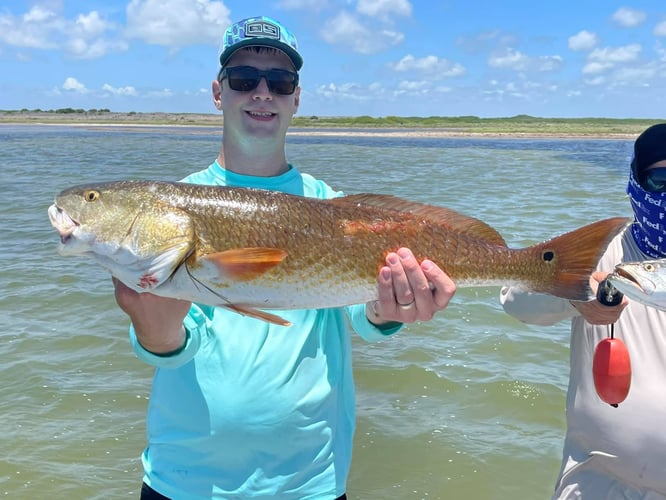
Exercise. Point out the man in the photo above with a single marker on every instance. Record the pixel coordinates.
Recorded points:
(615, 453)
(241, 408)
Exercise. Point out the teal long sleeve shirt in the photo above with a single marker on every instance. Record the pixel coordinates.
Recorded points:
(249, 409)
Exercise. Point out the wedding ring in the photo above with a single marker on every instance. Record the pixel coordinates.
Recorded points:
(406, 307)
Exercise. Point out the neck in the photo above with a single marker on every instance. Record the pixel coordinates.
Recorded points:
(261, 159)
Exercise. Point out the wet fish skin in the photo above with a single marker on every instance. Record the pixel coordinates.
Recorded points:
(642, 281)
(248, 250)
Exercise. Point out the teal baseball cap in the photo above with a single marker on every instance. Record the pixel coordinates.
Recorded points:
(259, 31)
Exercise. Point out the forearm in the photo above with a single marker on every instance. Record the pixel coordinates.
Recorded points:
(194, 328)
(536, 308)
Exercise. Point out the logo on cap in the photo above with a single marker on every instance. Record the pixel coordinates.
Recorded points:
(262, 29)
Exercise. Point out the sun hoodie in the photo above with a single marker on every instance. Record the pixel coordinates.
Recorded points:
(248, 409)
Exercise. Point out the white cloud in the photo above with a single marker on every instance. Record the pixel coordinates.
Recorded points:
(384, 9)
(39, 15)
(72, 84)
(122, 91)
(628, 53)
(44, 29)
(547, 63)
(160, 94)
(91, 24)
(509, 59)
(80, 48)
(593, 68)
(660, 29)
(596, 81)
(177, 23)
(629, 18)
(439, 68)
(347, 31)
(583, 40)
(413, 85)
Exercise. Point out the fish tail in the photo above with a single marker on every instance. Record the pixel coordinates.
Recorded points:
(575, 256)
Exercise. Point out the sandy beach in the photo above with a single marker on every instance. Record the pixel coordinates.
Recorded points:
(516, 127)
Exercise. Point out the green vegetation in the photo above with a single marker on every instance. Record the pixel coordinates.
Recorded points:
(515, 125)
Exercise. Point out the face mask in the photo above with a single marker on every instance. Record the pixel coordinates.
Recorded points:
(649, 227)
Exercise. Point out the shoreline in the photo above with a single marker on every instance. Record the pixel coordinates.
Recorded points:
(324, 131)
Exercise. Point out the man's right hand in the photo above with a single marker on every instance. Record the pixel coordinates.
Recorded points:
(158, 321)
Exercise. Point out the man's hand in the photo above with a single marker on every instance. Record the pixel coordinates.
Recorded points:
(158, 321)
(409, 291)
(596, 313)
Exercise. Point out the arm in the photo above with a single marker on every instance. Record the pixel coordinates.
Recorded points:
(162, 332)
(546, 310)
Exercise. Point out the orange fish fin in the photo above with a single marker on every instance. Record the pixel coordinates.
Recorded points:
(257, 314)
(244, 264)
(445, 217)
(575, 256)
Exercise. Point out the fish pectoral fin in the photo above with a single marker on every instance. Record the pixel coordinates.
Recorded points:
(257, 314)
(244, 264)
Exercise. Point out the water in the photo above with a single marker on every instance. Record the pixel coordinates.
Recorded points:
(470, 405)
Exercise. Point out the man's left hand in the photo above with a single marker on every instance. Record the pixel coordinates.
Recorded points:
(409, 291)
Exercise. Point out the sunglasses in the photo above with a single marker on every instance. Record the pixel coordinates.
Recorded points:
(654, 180)
(247, 78)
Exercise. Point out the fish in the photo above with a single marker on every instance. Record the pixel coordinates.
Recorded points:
(642, 281)
(254, 251)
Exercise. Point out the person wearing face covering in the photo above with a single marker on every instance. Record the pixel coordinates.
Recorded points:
(615, 453)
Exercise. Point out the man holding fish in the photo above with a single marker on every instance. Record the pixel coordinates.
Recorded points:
(244, 408)
(616, 453)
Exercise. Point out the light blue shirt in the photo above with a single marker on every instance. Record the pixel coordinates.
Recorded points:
(249, 409)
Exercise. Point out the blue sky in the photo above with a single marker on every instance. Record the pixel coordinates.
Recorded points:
(564, 58)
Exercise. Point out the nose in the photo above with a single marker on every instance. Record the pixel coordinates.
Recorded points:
(262, 91)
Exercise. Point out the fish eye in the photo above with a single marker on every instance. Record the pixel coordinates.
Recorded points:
(91, 195)
(649, 267)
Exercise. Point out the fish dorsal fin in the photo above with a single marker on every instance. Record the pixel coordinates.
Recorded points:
(438, 215)
(244, 264)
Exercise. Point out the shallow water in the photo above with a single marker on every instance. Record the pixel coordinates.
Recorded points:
(470, 405)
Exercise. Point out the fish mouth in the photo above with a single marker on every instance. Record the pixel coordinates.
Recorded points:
(63, 223)
(627, 278)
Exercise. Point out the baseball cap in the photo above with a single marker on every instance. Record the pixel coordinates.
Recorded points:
(259, 31)
(650, 146)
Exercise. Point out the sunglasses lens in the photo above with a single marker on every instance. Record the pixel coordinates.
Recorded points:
(247, 78)
(243, 79)
(655, 180)
(282, 82)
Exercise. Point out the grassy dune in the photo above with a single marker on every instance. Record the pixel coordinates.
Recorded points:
(458, 125)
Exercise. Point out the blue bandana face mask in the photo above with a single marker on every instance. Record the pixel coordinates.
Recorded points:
(649, 227)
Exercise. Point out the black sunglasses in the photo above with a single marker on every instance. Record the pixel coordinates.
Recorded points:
(246, 78)
(654, 180)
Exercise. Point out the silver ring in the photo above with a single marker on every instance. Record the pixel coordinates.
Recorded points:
(407, 307)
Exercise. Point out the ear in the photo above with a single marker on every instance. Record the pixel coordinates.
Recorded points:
(297, 98)
(217, 94)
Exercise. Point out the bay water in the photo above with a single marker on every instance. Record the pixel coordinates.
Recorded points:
(469, 405)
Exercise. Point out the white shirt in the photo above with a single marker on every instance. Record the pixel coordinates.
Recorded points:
(609, 452)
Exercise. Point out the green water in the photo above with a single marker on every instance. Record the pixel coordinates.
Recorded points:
(470, 405)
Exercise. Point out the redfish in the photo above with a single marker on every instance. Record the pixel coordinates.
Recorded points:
(249, 250)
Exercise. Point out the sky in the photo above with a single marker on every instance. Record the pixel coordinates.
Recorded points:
(564, 58)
